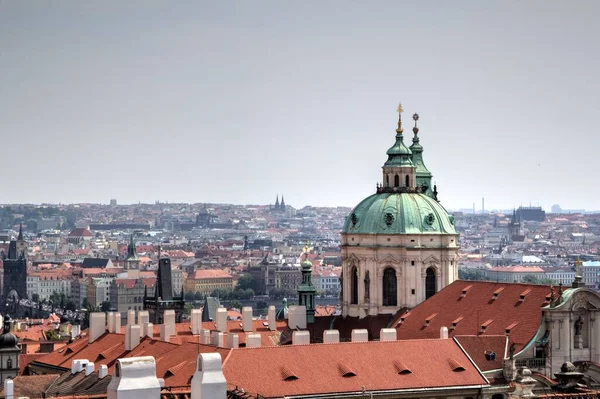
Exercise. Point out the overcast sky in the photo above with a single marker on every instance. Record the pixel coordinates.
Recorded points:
(239, 101)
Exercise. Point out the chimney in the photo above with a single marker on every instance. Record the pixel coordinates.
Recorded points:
(148, 330)
(134, 377)
(97, 325)
(297, 317)
(130, 317)
(247, 318)
(444, 333)
(222, 319)
(132, 336)
(205, 337)
(9, 389)
(253, 340)
(169, 319)
(164, 333)
(143, 317)
(233, 341)
(218, 339)
(387, 334)
(78, 365)
(360, 335)
(196, 322)
(103, 371)
(111, 322)
(208, 381)
(300, 338)
(89, 368)
(75, 330)
(331, 336)
(272, 318)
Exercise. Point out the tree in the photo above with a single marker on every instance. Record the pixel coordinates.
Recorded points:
(35, 298)
(245, 281)
(235, 304)
(198, 296)
(84, 303)
(71, 306)
(189, 296)
(471, 274)
(532, 279)
(105, 306)
(188, 309)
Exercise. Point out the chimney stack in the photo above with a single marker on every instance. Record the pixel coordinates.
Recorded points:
(130, 317)
(253, 340)
(97, 325)
(164, 333)
(272, 318)
(388, 334)
(132, 336)
(148, 330)
(444, 333)
(233, 341)
(208, 381)
(247, 318)
(169, 320)
(222, 319)
(196, 322)
(360, 335)
(9, 391)
(143, 317)
(134, 377)
(300, 338)
(218, 339)
(205, 337)
(78, 365)
(331, 336)
(103, 371)
(75, 330)
(89, 368)
(111, 322)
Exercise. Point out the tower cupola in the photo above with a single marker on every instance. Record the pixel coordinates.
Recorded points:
(423, 175)
(398, 170)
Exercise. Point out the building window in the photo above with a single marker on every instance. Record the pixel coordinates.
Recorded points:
(9, 363)
(396, 181)
(390, 288)
(407, 181)
(430, 288)
(354, 286)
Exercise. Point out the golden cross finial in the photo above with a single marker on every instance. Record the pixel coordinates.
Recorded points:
(400, 109)
(578, 266)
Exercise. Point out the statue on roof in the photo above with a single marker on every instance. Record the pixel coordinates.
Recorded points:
(578, 325)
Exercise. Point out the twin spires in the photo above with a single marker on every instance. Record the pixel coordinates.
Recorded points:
(404, 169)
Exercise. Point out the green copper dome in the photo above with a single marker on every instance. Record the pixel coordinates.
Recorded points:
(399, 213)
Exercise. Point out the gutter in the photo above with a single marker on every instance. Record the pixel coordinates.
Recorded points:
(387, 392)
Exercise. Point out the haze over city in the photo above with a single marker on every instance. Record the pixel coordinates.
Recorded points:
(237, 102)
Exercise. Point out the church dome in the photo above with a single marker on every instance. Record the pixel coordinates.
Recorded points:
(399, 213)
(7, 339)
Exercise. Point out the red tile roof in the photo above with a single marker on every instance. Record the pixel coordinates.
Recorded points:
(480, 349)
(350, 367)
(478, 311)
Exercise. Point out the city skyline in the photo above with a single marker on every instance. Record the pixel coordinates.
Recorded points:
(237, 103)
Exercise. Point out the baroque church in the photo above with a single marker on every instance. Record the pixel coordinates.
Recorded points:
(399, 245)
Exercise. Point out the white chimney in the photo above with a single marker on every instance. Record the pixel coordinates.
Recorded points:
(75, 330)
(89, 368)
(164, 333)
(444, 333)
(111, 322)
(222, 319)
(130, 317)
(103, 371)
(247, 318)
(297, 317)
(233, 341)
(360, 335)
(253, 340)
(218, 339)
(134, 377)
(78, 365)
(208, 381)
(148, 330)
(97, 325)
(196, 322)
(117, 322)
(169, 319)
(132, 336)
(143, 316)
(387, 334)
(331, 336)
(300, 338)
(205, 337)
(271, 315)
(8, 389)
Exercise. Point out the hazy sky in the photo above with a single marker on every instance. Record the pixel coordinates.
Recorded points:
(238, 101)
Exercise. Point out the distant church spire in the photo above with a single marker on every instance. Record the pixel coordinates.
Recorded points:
(282, 206)
(20, 237)
(277, 203)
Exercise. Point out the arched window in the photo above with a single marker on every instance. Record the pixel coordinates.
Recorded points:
(430, 288)
(497, 396)
(407, 181)
(354, 288)
(387, 180)
(396, 181)
(9, 363)
(390, 288)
